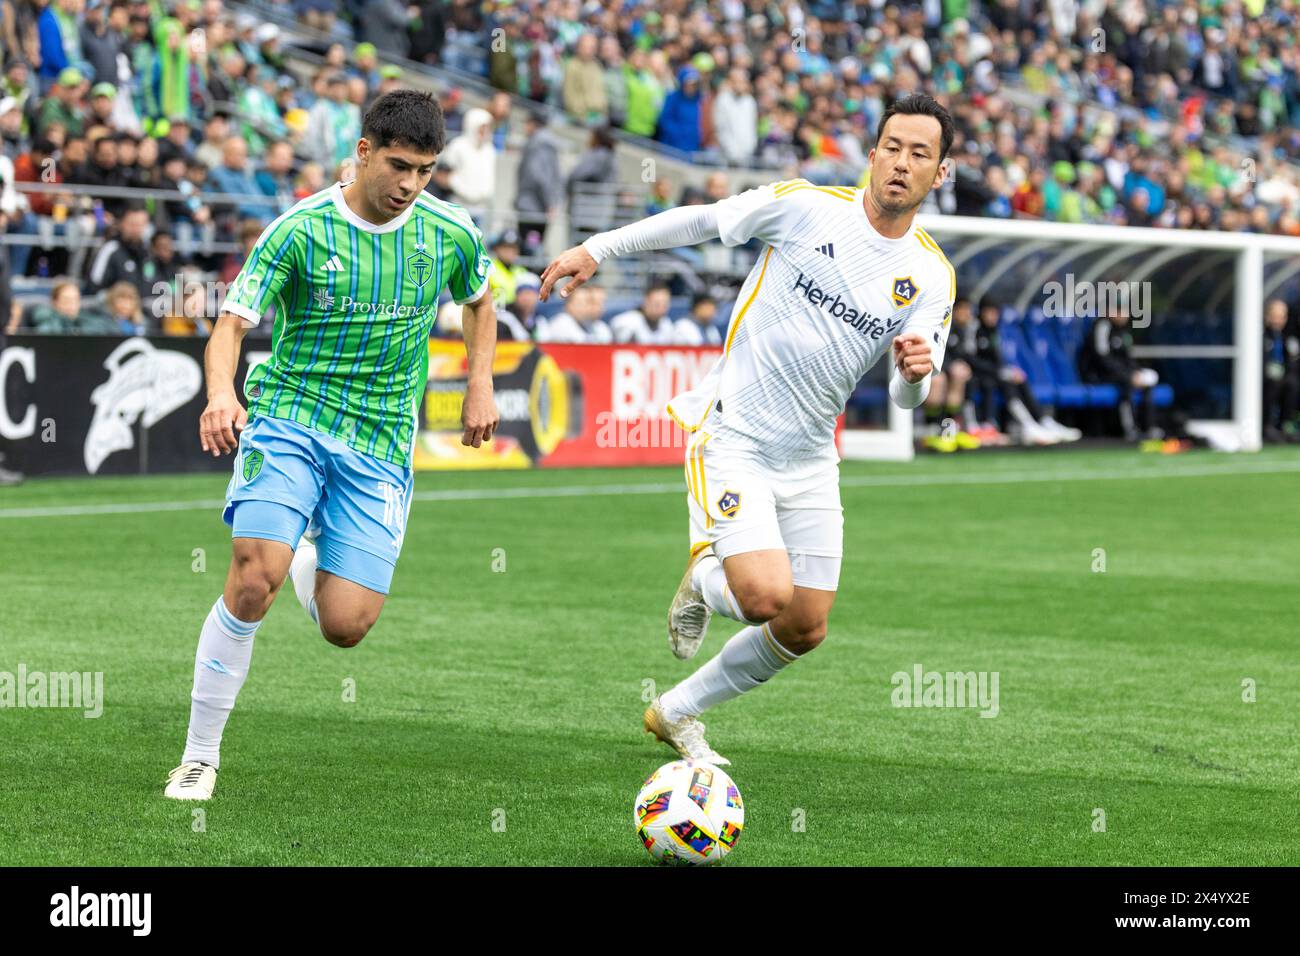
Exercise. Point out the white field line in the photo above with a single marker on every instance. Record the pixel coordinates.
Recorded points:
(662, 488)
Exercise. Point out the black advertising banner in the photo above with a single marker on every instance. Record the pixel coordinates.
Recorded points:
(100, 405)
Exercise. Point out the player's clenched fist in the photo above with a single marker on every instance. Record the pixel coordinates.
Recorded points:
(220, 420)
(576, 262)
(912, 357)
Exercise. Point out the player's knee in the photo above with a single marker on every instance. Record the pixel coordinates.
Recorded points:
(762, 604)
(255, 586)
(803, 636)
(345, 629)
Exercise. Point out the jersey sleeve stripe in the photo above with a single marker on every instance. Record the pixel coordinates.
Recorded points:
(740, 316)
(928, 243)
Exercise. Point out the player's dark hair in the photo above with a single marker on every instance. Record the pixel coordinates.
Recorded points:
(922, 104)
(654, 285)
(406, 118)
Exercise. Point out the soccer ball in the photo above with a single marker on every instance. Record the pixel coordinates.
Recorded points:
(689, 813)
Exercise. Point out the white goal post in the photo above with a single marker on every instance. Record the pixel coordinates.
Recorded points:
(1021, 259)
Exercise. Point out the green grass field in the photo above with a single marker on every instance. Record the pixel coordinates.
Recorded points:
(481, 691)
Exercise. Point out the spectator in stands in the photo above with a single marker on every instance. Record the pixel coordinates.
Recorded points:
(650, 324)
(645, 95)
(60, 39)
(540, 186)
(123, 258)
(584, 84)
(580, 322)
(63, 104)
(101, 42)
(215, 133)
(246, 236)
(177, 140)
(189, 316)
(440, 182)
(591, 185)
(506, 270)
(387, 24)
(103, 171)
(275, 178)
(499, 108)
(735, 118)
(1106, 358)
(994, 376)
(1281, 374)
(64, 314)
(473, 162)
(518, 321)
(333, 125)
(235, 177)
(699, 327)
(163, 262)
(124, 309)
(679, 122)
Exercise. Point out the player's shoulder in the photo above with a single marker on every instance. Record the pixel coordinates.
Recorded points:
(308, 207)
(930, 256)
(445, 214)
(802, 193)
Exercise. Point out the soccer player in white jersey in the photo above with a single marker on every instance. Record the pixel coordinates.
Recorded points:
(845, 277)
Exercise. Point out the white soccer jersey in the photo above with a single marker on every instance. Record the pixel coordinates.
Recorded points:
(822, 304)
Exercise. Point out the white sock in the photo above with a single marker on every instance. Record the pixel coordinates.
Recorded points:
(711, 580)
(220, 666)
(747, 660)
(302, 571)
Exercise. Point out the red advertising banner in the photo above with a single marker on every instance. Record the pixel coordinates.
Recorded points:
(563, 406)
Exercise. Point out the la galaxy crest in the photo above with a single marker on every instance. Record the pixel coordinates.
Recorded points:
(904, 291)
(729, 503)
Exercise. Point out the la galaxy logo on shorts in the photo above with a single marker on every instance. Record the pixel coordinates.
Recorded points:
(418, 265)
(729, 503)
(904, 291)
(252, 463)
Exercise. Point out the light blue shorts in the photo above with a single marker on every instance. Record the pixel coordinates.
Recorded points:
(289, 477)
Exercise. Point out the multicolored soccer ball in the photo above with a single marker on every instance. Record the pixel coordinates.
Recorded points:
(689, 813)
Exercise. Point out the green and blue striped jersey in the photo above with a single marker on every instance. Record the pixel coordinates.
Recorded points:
(354, 305)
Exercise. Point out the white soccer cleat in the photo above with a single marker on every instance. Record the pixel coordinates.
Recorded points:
(688, 615)
(191, 781)
(686, 736)
(1064, 432)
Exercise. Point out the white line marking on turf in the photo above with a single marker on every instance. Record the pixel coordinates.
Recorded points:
(663, 488)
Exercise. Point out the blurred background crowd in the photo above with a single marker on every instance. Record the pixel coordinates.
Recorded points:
(145, 143)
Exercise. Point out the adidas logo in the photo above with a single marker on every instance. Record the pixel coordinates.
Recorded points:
(827, 250)
(332, 264)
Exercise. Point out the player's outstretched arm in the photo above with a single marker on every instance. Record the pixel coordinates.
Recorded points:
(224, 415)
(684, 226)
(479, 414)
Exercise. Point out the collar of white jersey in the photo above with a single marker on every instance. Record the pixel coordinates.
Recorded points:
(348, 213)
(873, 234)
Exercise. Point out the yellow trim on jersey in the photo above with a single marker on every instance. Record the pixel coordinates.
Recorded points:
(821, 189)
(698, 547)
(777, 649)
(927, 242)
(791, 185)
(704, 480)
(731, 336)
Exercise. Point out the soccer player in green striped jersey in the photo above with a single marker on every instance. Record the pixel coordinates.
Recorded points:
(322, 480)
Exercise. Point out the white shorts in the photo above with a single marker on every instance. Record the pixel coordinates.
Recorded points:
(740, 501)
